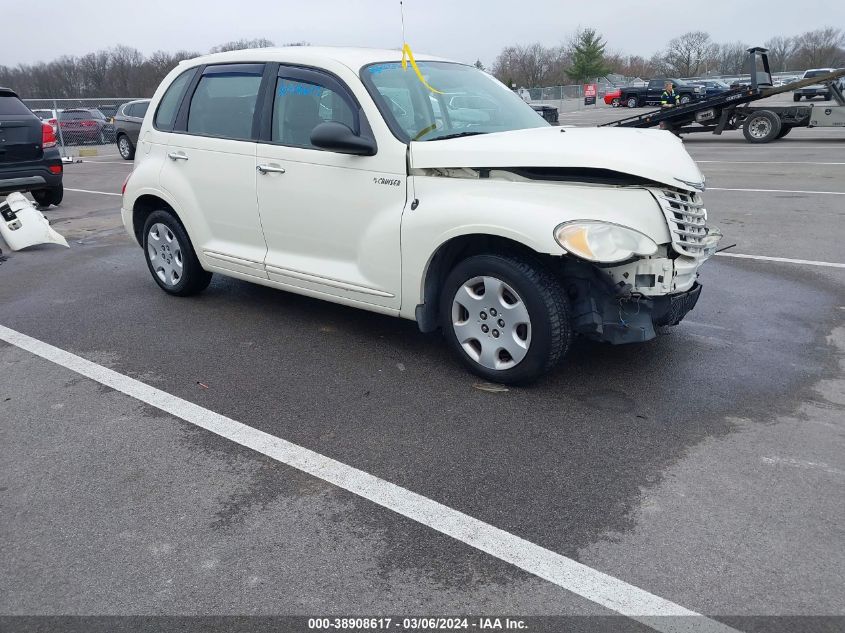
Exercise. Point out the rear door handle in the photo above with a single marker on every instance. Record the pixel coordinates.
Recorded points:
(264, 169)
(177, 156)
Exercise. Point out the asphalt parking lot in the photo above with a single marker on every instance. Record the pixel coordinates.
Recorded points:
(704, 469)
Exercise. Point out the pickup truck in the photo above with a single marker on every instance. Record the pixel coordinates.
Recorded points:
(332, 174)
(638, 96)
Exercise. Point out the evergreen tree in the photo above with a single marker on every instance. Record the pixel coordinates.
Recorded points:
(588, 61)
(479, 65)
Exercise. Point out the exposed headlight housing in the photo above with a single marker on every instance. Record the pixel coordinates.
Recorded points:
(602, 241)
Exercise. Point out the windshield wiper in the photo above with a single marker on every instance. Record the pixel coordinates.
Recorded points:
(455, 135)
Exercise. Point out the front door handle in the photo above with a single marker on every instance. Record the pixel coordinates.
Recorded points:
(177, 156)
(264, 169)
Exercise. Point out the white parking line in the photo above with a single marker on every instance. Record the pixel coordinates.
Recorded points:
(824, 193)
(102, 193)
(785, 260)
(764, 162)
(564, 572)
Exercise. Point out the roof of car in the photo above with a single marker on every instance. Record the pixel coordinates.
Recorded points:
(354, 58)
(7, 92)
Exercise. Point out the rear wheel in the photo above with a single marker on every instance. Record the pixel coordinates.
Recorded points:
(761, 127)
(685, 99)
(43, 197)
(632, 102)
(170, 256)
(56, 195)
(507, 317)
(125, 147)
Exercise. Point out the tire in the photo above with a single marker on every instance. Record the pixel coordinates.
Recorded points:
(685, 99)
(614, 103)
(56, 195)
(828, 97)
(632, 102)
(762, 126)
(125, 147)
(170, 256)
(43, 197)
(102, 139)
(796, 98)
(485, 291)
(784, 130)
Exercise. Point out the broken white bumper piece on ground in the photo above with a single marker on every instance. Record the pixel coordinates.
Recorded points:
(23, 225)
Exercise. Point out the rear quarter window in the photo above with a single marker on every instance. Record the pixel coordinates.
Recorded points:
(10, 105)
(168, 107)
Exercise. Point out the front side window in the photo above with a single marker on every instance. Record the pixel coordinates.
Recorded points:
(169, 105)
(223, 104)
(469, 101)
(299, 106)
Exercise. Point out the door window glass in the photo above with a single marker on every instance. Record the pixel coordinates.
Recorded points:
(223, 104)
(300, 106)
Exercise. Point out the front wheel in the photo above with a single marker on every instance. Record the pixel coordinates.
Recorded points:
(507, 317)
(614, 103)
(685, 99)
(761, 127)
(796, 97)
(170, 256)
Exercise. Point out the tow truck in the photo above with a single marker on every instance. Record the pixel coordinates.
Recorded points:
(731, 111)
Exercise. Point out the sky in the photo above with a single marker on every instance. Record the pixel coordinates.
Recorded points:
(464, 30)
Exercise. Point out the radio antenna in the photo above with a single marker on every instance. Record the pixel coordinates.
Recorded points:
(402, 16)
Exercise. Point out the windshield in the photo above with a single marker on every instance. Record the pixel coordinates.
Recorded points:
(816, 73)
(470, 101)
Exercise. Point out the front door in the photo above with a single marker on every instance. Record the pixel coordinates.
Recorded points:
(210, 169)
(331, 220)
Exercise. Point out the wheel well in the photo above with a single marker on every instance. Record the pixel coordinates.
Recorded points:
(144, 206)
(448, 255)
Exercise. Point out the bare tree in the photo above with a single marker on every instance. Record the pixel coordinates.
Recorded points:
(820, 48)
(237, 45)
(688, 55)
(781, 52)
(731, 59)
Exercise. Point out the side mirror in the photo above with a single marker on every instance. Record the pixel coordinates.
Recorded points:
(337, 137)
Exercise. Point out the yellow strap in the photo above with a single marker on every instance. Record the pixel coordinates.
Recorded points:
(408, 55)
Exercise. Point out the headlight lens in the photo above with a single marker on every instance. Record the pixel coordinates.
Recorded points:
(603, 242)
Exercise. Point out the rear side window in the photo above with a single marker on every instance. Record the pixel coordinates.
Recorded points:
(169, 105)
(223, 104)
(140, 109)
(12, 105)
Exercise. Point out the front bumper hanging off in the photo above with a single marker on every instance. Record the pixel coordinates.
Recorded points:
(632, 319)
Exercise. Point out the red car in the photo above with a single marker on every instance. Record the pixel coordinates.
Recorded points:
(612, 98)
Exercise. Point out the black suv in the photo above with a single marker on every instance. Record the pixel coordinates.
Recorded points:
(29, 158)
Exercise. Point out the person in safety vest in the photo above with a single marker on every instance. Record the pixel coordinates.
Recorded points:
(669, 97)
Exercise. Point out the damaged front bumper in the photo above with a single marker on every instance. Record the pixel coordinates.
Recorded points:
(628, 303)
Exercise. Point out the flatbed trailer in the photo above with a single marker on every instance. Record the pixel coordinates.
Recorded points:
(730, 110)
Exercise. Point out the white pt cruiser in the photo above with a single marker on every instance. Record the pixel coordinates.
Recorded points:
(339, 174)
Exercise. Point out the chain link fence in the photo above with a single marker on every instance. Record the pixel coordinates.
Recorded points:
(84, 127)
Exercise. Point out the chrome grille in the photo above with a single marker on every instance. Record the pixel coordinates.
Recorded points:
(687, 219)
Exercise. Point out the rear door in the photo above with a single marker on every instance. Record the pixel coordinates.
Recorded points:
(210, 167)
(20, 132)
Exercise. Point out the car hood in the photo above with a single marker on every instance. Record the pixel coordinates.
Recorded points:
(655, 155)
